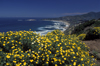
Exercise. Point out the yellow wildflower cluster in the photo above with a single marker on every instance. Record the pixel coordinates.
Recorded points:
(81, 36)
(52, 48)
(97, 29)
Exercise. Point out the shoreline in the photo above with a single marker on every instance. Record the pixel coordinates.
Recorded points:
(56, 24)
(65, 22)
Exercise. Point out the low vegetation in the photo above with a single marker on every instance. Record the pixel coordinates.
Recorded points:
(88, 31)
(26, 48)
(88, 28)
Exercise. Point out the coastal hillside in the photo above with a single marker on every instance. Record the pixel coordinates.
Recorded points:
(78, 18)
(89, 33)
(82, 27)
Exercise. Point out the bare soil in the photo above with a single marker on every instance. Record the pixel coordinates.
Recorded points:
(94, 46)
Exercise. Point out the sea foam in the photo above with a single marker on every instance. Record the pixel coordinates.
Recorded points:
(50, 28)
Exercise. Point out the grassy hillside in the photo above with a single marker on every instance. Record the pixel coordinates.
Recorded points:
(88, 32)
(83, 27)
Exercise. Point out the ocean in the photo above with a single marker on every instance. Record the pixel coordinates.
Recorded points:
(35, 24)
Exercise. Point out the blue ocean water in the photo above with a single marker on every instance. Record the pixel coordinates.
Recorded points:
(35, 24)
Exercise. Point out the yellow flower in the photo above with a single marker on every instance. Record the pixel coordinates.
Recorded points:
(47, 55)
(55, 59)
(82, 64)
(2, 37)
(22, 60)
(9, 38)
(24, 63)
(72, 60)
(58, 45)
(28, 38)
(55, 64)
(57, 51)
(36, 62)
(73, 47)
(87, 61)
(16, 41)
(45, 52)
(12, 44)
(61, 53)
(43, 59)
(78, 48)
(8, 56)
(74, 63)
(51, 61)
(18, 64)
(73, 52)
(13, 47)
(31, 60)
(0, 49)
(74, 57)
(92, 56)
(16, 52)
(75, 60)
(49, 51)
(77, 53)
(14, 61)
(68, 55)
(7, 63)
(19, 42)
(64, 58)
(3, 44)
(28, 54)
(20, 57)
(21, 51)
(62, 61)
(81, 59)
(46, 62)
(12, 41)
(83, 55)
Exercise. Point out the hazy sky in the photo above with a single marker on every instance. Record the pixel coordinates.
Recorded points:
(47, 8)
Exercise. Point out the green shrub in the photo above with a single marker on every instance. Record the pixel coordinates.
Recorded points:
(96, 24)
(79, 29)
(55, 48)
(93, 34)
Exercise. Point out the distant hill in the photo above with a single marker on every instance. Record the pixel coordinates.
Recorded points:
(82, 27)
(78, 18)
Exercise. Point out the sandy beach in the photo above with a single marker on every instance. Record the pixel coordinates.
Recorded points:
(65, 22)
(57, 25)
